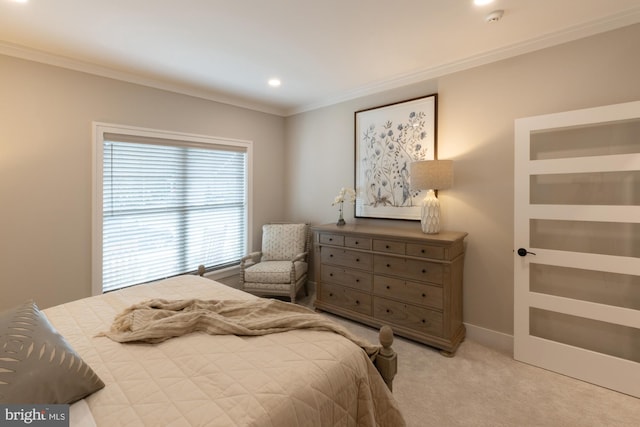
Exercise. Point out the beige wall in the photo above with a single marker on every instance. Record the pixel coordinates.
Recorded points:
(45, 158)
(477, 109)
(45, 167)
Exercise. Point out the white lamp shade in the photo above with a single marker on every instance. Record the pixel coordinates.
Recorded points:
(431, 174)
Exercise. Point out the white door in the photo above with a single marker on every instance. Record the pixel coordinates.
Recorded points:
(577, 244)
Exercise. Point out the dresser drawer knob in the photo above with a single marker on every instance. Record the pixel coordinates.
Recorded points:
(388, 311)
(357, 280)
(388, 265)
(330, 274)
(330, 255)
(388, 287)
(386, 246)
(424, 295)
(422, 250)
(330, 239)
(424, 321)
(424, 270)
(357, 259)
(357, 242)
(357, 302)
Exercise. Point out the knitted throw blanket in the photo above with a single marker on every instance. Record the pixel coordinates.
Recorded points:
(157, 320)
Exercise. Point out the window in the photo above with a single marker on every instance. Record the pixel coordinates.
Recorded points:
(166, 203)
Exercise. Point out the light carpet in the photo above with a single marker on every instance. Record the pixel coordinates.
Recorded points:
(481, 387)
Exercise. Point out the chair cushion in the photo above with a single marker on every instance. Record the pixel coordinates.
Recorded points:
(282, 242)
(274, 271)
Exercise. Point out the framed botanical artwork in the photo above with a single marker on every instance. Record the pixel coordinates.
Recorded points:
(387, 139)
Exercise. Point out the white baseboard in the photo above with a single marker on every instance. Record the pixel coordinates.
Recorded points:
(496, 340)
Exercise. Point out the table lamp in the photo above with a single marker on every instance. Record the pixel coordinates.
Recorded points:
(431, 175)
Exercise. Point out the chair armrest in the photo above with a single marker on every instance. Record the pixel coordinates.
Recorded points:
(253, 257)
(300, 257)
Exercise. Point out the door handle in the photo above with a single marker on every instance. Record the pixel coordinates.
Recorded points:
(524, 252)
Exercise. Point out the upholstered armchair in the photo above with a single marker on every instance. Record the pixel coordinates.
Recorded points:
(280, 268)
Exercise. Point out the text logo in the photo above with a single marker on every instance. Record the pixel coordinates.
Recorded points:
(34, 415)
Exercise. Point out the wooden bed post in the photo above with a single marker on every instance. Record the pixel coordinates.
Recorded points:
(387, 359)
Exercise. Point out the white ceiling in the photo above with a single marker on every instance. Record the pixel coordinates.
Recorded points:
(324, 51)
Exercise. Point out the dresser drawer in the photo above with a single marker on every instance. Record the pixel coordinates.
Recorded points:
(331, 239)
(411, 269)
(425, 251)
(389, 246)
(411, 292)
(410, 316)
(357, 279)
(346, 258)
(346, 298)
(358, 242)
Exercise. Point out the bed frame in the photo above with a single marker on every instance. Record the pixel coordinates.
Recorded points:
(387, 360)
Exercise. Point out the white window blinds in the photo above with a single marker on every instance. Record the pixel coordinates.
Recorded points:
(169, 206)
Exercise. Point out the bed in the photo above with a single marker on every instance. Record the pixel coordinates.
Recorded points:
(302, 377)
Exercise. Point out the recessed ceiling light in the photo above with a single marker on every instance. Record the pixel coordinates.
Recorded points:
(482, 2)
(274, 82)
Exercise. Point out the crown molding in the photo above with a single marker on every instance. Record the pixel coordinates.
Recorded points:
(35, 55)
(612, 22)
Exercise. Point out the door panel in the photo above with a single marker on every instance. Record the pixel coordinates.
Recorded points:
(577, 213)
(620, 290)
(603, 337)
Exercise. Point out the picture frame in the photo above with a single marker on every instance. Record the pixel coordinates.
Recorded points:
(387, 139)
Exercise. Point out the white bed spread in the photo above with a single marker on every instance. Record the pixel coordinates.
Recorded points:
(296, 378)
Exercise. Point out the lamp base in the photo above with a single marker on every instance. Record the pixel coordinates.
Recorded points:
(430, 214)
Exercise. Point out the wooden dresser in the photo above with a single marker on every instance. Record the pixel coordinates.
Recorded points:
(392, 275)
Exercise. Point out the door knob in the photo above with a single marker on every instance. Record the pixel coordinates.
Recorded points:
(524, 252)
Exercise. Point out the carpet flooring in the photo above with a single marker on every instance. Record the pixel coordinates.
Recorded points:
(482, 387)
(485, 388)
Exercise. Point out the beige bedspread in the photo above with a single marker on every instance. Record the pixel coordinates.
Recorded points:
(296, 378)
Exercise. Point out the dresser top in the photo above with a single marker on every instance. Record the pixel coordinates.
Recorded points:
(406, 230)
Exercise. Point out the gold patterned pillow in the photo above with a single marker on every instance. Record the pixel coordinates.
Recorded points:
(37, 365)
